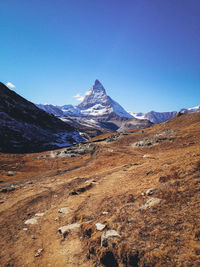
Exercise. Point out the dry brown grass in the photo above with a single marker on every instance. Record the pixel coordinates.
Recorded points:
(113, 179)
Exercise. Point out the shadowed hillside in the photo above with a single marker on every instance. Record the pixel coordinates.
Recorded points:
(24, 128)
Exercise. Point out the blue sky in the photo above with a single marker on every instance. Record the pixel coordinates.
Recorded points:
(146, 53)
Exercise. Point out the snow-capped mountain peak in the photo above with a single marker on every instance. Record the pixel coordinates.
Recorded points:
(98, 103)
(96, 95)
(98, 87)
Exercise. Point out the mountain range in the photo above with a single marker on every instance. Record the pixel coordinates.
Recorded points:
(99, 110)
(26, 127)
(95, 104)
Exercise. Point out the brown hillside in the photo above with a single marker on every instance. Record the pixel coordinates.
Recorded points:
(144, 184)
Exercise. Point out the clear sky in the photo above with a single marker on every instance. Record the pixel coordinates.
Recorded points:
(146, 53)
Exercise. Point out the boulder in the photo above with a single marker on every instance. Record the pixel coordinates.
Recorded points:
(38, 252)
(105, 212)
(64, 230)
(149, 192)
(107, 236)
(145, 142)
(31, 221)
(150, 203)
(146, 156)
(100, 226)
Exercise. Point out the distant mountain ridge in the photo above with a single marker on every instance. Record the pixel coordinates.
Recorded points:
(155, 117)
(191, 110)
(158, 117)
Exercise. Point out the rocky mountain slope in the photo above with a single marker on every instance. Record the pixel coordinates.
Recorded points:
(119, 200)
(97, 110)
(26, 128)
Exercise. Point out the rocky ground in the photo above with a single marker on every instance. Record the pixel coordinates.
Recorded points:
(130, 199)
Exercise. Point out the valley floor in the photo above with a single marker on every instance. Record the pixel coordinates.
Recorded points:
(144, 185)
